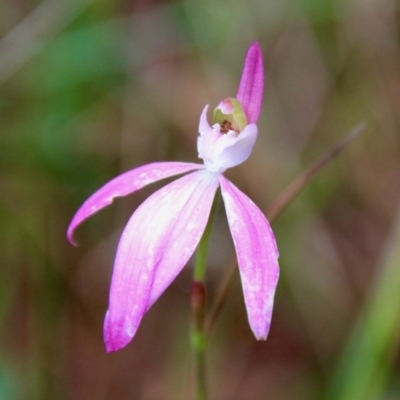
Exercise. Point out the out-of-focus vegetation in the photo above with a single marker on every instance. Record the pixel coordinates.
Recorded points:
(91, 88)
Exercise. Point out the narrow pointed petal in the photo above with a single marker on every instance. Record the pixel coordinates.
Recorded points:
(257, 255)
(204, 126)
(251, 86)
(125, 184)
(157, 242)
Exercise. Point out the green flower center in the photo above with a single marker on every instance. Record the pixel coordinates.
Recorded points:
(230, 116)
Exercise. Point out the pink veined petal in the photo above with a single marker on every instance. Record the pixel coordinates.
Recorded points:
(257, 255)
(157, 242)
(125, 184)
(251, 86)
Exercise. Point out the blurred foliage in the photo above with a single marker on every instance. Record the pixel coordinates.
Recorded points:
(91, 88)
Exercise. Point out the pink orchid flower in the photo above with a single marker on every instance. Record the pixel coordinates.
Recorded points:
(165, 230)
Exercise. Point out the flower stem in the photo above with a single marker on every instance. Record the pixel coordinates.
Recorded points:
(198, 340)
(198, 306)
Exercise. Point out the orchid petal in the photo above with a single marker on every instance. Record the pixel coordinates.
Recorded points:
(204, 126)
(224, 150)
(157, 242)
(239, 151)
(125, 184)
(257, 255)
(251, 86)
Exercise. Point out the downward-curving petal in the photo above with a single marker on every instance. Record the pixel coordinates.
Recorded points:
(157, 242)
(124, 184)
(257, 255)
(251, 86)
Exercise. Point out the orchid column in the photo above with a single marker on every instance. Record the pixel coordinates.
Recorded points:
(165, 230)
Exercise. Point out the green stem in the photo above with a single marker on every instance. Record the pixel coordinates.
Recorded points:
(198, 306)
(198, 340)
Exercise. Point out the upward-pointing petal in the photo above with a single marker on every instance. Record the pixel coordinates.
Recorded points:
(251, 86)
(257, 256)
(124, 184)
(157, 242)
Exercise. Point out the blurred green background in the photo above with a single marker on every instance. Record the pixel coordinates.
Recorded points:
(91, 88)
